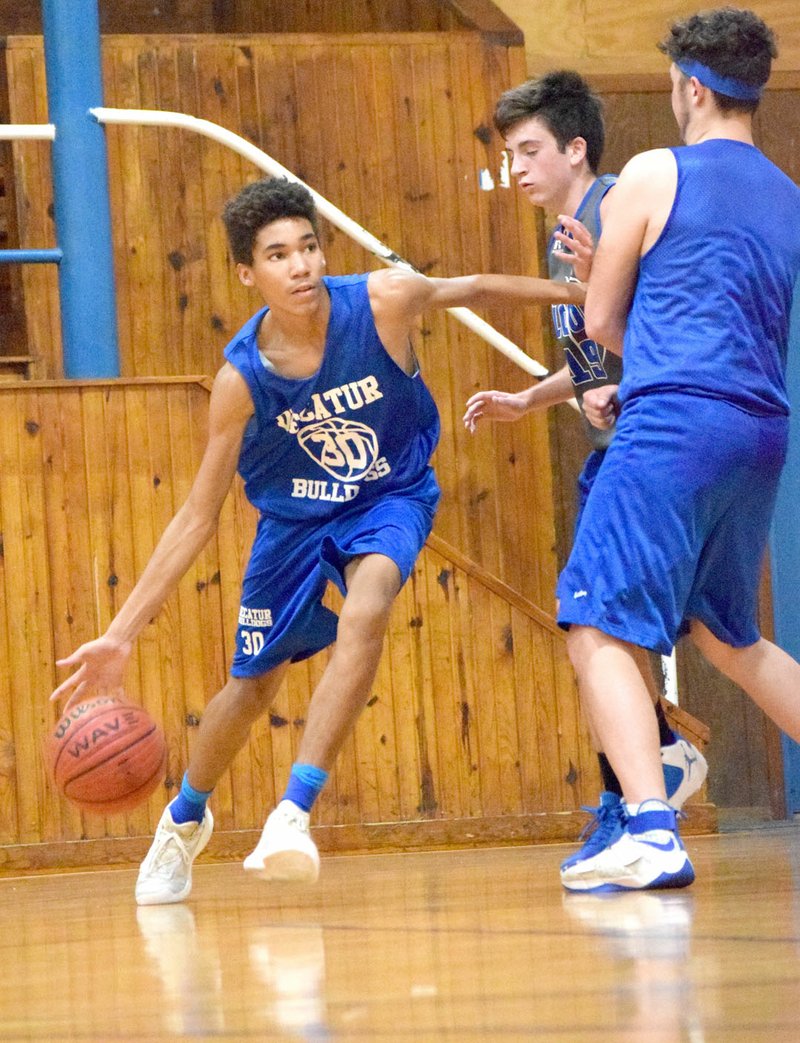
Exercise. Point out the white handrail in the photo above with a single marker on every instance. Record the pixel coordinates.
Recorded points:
(27, 131)
(155, 118)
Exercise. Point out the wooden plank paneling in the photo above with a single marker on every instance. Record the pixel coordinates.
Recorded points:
(609, 36)
(423, 103)
(448, 731)
(273, 16)
(464, 722)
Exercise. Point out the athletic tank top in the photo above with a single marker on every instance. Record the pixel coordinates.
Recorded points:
(358, 429)
(710, 315)
(590, 365)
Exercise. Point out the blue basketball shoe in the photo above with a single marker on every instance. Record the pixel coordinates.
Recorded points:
(685, 771)
(649, 854)
(605, 827)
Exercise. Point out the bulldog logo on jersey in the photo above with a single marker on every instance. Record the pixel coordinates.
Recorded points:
(345, 449)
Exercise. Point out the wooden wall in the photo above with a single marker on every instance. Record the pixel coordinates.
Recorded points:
(613, 37)
(473, 714)
(278, 16)
(473, 732)
(386, 129)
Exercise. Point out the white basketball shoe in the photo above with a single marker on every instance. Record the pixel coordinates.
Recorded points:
(285, 851)
(166, 874)
(685, 770)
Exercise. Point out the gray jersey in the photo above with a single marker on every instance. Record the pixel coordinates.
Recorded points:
(590, 365)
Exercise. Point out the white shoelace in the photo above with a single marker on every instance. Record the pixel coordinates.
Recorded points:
(163, 859)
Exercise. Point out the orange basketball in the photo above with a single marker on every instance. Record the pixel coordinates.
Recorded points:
(107, 755)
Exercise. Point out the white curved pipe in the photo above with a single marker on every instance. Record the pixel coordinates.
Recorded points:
(27, 131)
(154, 118)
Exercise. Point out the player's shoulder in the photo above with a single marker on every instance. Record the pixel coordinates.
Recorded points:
(647, 178)
(345, 282)
(240, 343)
(645, 164)
(229, 382)
(395, 286)
(231, 399)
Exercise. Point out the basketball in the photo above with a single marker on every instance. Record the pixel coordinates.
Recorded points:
(107, 755)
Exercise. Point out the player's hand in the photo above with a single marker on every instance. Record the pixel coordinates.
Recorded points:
(601, 406)
(493, 405)
(578, 246)
(101, 665)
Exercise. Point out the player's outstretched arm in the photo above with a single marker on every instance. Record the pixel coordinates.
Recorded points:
(101, 663)
(505, 406)
(409, 293)
(399, 297)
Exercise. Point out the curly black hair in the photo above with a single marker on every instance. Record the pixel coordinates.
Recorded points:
(564, 102)
(731, 41)
(259, 204)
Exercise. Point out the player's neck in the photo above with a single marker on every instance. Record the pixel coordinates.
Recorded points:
(577, 190)
(295, 344)
(734, 127)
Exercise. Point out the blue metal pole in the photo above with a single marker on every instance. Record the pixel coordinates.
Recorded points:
(785, 553)
(80, 189)
(30, 256)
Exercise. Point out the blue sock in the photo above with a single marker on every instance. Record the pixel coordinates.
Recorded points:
(189, 805)
(305, 783)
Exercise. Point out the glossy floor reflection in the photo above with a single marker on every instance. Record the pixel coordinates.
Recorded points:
(463, 945)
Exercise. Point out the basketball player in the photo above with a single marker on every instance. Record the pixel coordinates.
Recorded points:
(321, 407)
(554, 134)
(689, 279)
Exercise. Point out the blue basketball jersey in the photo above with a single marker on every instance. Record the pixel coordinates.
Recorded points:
(356, 430)
(710, 314)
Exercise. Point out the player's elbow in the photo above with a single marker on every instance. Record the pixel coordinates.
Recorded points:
(197, 523)
(603, 329)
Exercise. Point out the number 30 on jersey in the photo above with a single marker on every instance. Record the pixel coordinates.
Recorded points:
(252, 641)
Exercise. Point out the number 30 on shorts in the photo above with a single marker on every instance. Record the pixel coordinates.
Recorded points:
(252, 641)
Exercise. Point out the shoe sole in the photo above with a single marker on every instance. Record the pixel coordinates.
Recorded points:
(284, 867)
(682, 877)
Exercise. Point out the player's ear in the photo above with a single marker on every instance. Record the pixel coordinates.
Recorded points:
(576, 150)
(245, 273)
(697, 90)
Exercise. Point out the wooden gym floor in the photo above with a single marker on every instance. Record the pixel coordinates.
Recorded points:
(456, 945)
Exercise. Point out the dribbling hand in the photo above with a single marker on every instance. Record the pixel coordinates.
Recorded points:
(101, 666)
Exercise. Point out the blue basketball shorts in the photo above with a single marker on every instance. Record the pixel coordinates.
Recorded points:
(677, 523)
(586, 480)
(281, 616)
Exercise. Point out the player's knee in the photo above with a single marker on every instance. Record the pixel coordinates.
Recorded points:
(364, 618)
(370, 596)
(249, 696)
